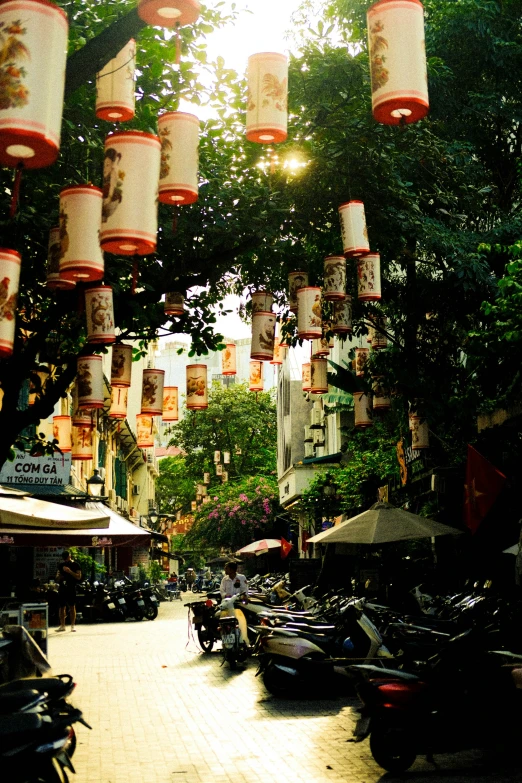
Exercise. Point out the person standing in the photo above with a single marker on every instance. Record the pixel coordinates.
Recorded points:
(67, 575)
(235, 584)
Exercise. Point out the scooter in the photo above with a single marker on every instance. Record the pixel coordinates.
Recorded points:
(204, 619)
(235, 649)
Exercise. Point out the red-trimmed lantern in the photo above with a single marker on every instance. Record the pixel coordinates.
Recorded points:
(10, 262)
(267, 114)
(115, 97)
(34, 51)
(342, 317)
(82, 448)
(197, 392)
(369, 276)
(121, 365)
(53, 278)
(170, 404)
(361, 357)
(362, 411)
(263, 335)
(296, 280)
(228, 360)
(420, 432)
(144, 431)
(354, 233)
(99, 312)
(174, 304)
(90, 382)
(320, 348)
(62, 432)
(130, 183)
(80, 417)
(179, 136)
(277, 357)
(81, 257)
(309, 321)
(378, 334)
(262, 302)
(169, 13)
(319, 376)
(256, 377)
(397, 61)
(307, 377)
(152, 392)
(119, 400)
(334, 280)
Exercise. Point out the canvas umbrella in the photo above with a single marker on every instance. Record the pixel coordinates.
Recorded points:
(222, 559)
(260, 547)
(380, 524)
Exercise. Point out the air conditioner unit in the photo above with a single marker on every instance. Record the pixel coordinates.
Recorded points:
(309, 449)
(111, 494)
(308, 433)
(318, 436)
(316, 418)
(135, 489)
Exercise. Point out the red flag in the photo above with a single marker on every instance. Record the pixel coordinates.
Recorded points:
(483, 485)
(305, 546)
(286, 546)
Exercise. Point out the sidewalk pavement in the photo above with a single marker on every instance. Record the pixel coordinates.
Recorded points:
(162, 712)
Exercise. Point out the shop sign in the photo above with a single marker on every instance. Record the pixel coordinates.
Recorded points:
(50, 470)
(6, 540)
(101, 541)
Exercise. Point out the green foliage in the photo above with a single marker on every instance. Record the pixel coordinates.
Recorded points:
(154, 572)
(174, 486)
(87, 563)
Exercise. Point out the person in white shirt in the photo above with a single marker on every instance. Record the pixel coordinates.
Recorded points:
(235, 584)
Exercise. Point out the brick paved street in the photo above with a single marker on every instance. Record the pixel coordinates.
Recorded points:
(164, 713)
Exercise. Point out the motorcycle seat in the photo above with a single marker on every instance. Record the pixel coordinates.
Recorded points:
(19, 723)
(326, 629)
(55, 687)
(19, 701)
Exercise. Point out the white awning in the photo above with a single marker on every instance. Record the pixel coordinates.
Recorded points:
(21, 510)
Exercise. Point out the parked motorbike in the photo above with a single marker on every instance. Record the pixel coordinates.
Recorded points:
(95, 602)
(205, 622)
(151, 600)
(235, 649)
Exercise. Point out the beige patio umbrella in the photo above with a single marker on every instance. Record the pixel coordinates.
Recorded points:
(381, 524)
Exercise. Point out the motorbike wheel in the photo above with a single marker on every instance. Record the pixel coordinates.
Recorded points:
(151, 612)
(195, 588)
(51, 773)
(391, 747)
(278, 683)
(205, 638)
(230, 658)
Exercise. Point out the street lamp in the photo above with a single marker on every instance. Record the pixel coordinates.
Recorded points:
(96, 485)
(153, 517)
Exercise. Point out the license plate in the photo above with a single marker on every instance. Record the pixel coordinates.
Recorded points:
(111, 606)
(121, 600)
(153, 598)
(141, 603)
(228, 638)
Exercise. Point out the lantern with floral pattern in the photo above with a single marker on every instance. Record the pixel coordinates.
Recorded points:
(379, 338)
(10, 262)
(197, 393)
(256, 377)
(296, 280)
(90, 382)
(53, 278)
(152, 392)
(342, 317)
(144, 431)
(121, 365)
(361, 357)
(277, 357)
(82, 448)
(115, 86)
(228, 360)
(81, 257)
(267, 86)
(369, 277)
(119, 399)
(354, 233)
(179, 136)
(80, 417)
(309, 321)
(170, 403)
(362, 411)
(381, 396)
(307, 377)
(334, 280)
(318, 376)
(99, 311)
(262, 302)
(320, 348)
(263, 335)
(62, 432)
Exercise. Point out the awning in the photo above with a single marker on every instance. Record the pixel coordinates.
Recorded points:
(119, 532)
(157, 536)
(17, 509)
(159, 553)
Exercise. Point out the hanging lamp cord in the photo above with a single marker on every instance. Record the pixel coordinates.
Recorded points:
(16, 190)
(134, 275)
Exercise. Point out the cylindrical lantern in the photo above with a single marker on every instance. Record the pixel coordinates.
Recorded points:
(361, 357)
(174, 303)
(53, 277)
(277, 357)
(179, 137)
(309, 322)
(81, 257)
(226, 457)
(115, 86)
(219, 469)
(262, 302)
(397, 61)
(342, 317)
(320, 348)
(369, 276)
(307, 377)
(256, 377)
(228, 360)
(62, 432)
(267, 77)
(121, 365)
(144, 431)
(319, 376)
(170, 403)
(119, 398)
(10, 262)
(420, 432)
(362, 413)
(354, 233)
(152, 392)
(34, 51)
(263, 335)
(224, 476)
(206, 478)
(334, 280)
(381, 396)
(378, 334)
(217, 456)
(81, 443)
(168, 13)
(99, 312)
(197, 394)
(80, 417)
(193, 505)
(296, 280)
(130, 183)
(90, 382)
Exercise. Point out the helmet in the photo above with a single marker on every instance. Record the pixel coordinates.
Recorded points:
(348, 646)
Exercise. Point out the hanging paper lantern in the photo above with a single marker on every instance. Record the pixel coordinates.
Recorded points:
(144, 431)
(228, 360)
(53, 277)
(119, 399)
(179, 136)
(319, 376)
(81, 257)
(34, 51)
(174, 303)
(256, 377)
(168, 13)
(224, 476)
(369, 275)
(62, 432)
(170, 403)
(217, 457)
(397, 61)
(296, 280)
(115, 86)
(262, 302)
(206, 478)
(361, 357)
(354, 233)
(307, 377)
(130, 183)
(10, 262)
(342, 317)
(197, 393)
(277, 357)
(226, 457)
(309, 322)
(81, 443)
(267, 77)
(152, 392)
(121, 365)
(219, 469)
(334, 280)
(99, 312)
(90, 382)
(80, 417)
(420, 432)
(263, 335)
(320, 348)
(381, 397)
(361, 408)
(378, 337)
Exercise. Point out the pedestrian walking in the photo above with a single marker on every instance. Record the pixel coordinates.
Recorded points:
(67, 576)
